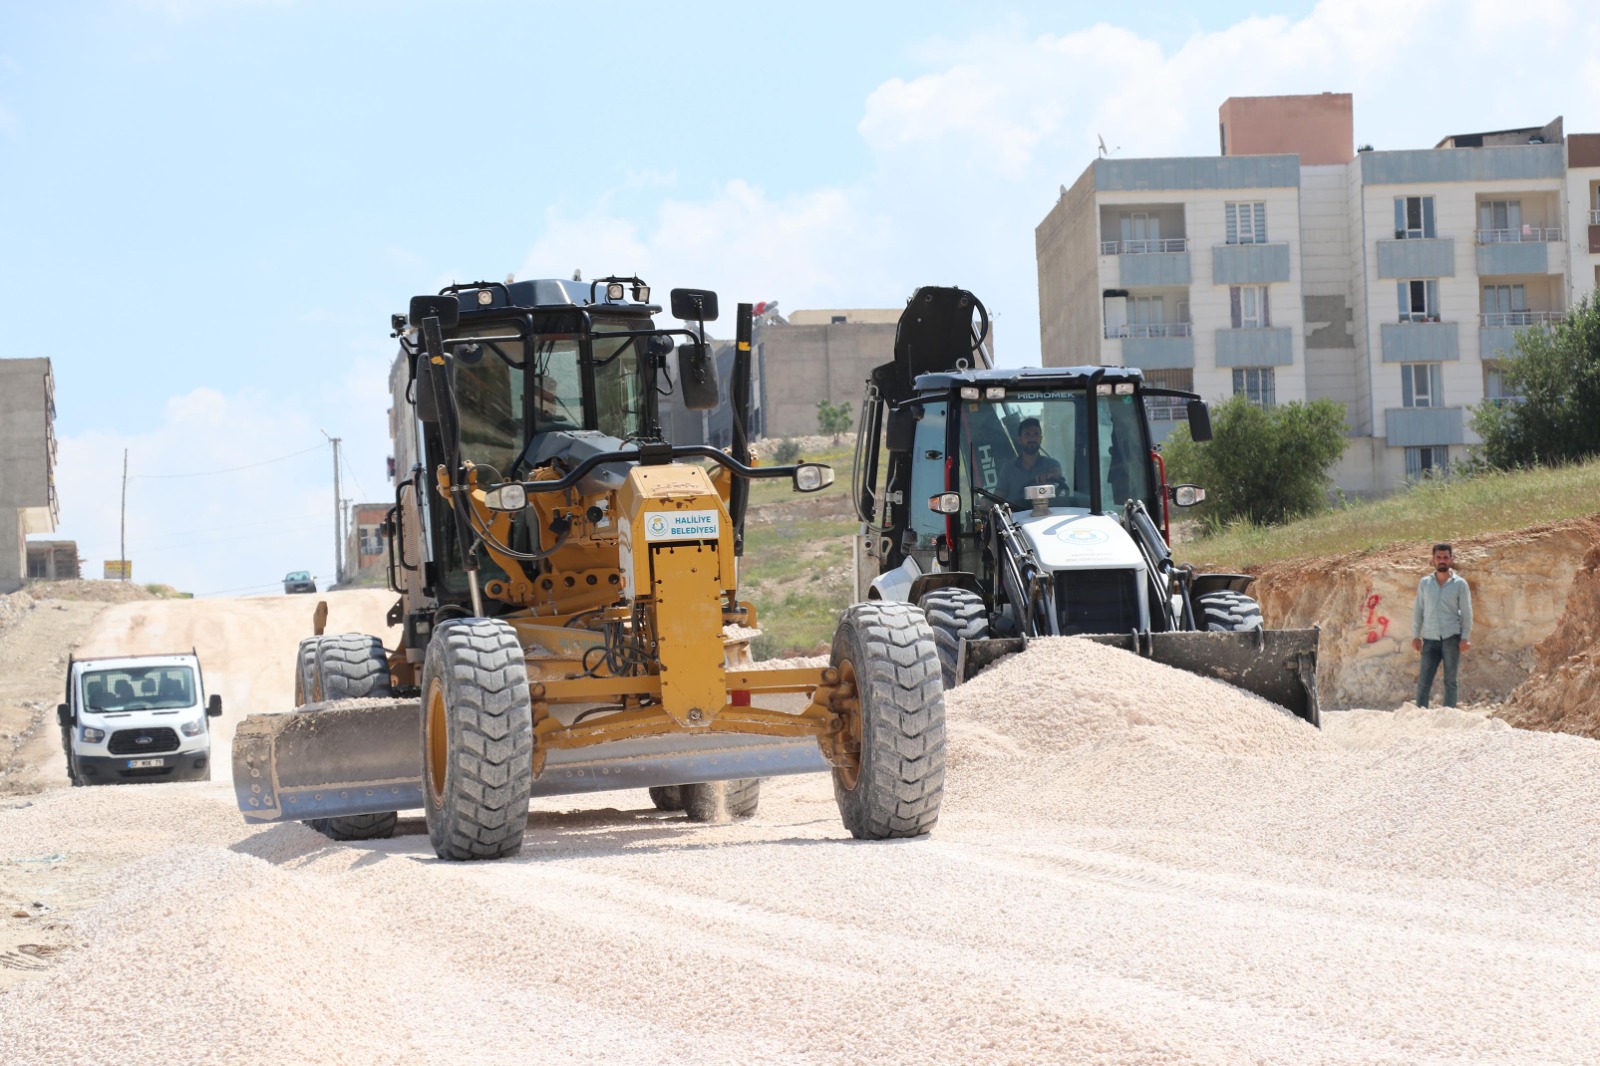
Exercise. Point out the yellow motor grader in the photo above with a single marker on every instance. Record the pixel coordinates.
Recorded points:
(569, 602)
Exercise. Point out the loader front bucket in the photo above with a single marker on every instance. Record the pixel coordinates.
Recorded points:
(329, 760)
(1279, 665)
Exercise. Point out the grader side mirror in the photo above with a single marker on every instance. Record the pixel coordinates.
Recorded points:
(697, 377)
(1199, 421)
(694, 305)
(214, 706)
(445, 308)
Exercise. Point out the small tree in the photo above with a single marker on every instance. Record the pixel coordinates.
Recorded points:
(833, 419)
(1556, 374)
(1265, 464)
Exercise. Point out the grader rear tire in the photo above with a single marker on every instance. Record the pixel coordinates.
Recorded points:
(716, 800)
(667, 797)
(477, 740)
(886, 651)
(954, 615)
(345, 667)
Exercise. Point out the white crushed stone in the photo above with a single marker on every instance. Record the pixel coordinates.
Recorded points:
(1134, 866)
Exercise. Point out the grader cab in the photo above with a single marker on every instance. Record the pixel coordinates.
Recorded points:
(569, 609)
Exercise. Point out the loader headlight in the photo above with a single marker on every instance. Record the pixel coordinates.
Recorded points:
(508, 497)
(194, 728)
(90, 735)
(809, 477)
(1187, 495)
(945, 503)
(614, 290)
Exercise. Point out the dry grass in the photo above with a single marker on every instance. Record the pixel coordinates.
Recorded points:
(1430, 510)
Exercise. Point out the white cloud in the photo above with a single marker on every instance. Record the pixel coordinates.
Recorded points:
(237, 530)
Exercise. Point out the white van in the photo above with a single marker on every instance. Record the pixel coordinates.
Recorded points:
(137, 718)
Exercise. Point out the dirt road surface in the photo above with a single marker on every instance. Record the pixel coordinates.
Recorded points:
(1134, 866)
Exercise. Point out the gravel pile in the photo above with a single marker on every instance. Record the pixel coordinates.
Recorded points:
(1134, 866)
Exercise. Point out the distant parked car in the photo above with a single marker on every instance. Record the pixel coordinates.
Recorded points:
(299, 581)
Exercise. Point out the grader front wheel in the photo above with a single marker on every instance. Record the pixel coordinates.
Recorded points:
(477, 740)
(894, 736)
(349, 666)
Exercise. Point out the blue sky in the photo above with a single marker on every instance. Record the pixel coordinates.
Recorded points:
(208, 209)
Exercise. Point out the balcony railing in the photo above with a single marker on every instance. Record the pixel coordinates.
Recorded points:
(1418, 316)
(1535, 234)
(1149, 329)
(1594, 217)
(1166, 244)
(1502, 319)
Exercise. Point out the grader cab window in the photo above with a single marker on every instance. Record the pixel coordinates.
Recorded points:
(488, 385)
(621, 393)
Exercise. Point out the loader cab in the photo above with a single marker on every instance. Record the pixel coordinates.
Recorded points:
(969, 449)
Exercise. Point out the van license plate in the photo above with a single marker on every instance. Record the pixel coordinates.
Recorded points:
(141, 764)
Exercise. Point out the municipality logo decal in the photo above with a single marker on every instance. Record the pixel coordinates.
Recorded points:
(1083, 536)
(658, 525)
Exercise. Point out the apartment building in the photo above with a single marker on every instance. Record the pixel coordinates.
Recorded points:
(1392, 282)
(27, 463)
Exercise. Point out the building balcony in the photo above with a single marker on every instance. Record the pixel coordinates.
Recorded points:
(1171, 352)
(1250, 264)
(1512, 258)
(1497, 330)
(1523, 235)
(1149, 329)
(1418, 257)
(1413, 427)
(1265, 346)
(1420, 342)
(1594, 217)
(1165, 244)
(1144, 269)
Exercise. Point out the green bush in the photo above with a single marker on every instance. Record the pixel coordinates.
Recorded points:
(833, 419)
(1263, 465)
(787, 451)
(1556, 372)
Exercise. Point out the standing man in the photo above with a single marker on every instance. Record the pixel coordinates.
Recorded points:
(1441, 624)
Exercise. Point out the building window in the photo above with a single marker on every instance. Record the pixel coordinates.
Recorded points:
(1420, 385)
(1506, 305)
(1168, 408)
(1251, 309)
(1430, 461)
(1499, 220)
(1495, 389)
(1413, 217)
(839, 320)
(1247, 223)
(371, 540)
(1254, 383)
(1419, 300)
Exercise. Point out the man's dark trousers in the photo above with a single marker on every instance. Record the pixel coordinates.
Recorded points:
(1434, 652)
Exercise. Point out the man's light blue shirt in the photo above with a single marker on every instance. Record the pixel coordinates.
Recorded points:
(1442, 610)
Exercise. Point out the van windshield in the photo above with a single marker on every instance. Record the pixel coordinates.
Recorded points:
(139, 688)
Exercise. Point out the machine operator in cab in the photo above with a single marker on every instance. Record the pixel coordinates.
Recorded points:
(1031, 466)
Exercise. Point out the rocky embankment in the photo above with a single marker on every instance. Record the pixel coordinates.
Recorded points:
(1536, 602)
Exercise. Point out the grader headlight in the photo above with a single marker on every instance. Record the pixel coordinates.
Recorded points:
(810, 477)
(508, 497)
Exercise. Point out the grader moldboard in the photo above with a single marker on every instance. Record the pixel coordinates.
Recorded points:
(569, 601)
(1028, 502)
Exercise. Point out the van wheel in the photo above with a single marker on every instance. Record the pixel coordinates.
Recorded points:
(344, 667)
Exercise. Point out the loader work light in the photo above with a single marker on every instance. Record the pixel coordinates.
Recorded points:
(511, 497)
(485, 297)
(641, 294)
(945, 503)
(994, 393)
(969, 392)
(614, 290)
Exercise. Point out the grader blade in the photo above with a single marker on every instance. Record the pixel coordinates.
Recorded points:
(1279, 665)
(329, 760)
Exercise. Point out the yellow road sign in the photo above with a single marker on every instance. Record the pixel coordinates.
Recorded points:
(119, 568)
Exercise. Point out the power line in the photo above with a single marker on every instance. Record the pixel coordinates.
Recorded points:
(229, 470)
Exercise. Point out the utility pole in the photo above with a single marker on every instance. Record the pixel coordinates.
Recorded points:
(338, 514)
(122, 533)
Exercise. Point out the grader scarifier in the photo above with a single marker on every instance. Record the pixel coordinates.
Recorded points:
(569, 600)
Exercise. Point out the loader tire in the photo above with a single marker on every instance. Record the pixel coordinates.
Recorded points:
(715, 801)
(1227, 612)
(350, 666)
(667, 797)
(894, 786)
(954, 615)
(477, 740)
